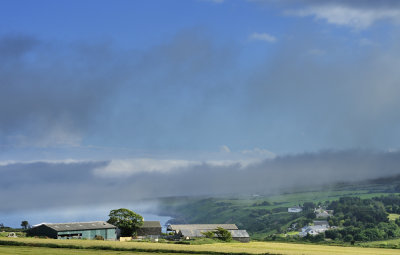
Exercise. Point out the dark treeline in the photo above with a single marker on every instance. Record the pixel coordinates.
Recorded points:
(364, 219)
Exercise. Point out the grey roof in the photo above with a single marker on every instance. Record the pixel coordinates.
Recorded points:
(79, 225)
(203, 227)
(151, 224)
(320, 222)
(239, 233)
(199, 233)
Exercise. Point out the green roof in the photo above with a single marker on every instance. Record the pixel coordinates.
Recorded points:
(151, 224)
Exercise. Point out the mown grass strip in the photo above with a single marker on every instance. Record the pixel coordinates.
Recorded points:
(110, 248)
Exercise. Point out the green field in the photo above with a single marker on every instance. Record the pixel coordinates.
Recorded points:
(394, 216)
(18, 250)
(385, 243)
(94, 247)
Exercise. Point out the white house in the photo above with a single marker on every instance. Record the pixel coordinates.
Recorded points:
(312, 230)
(295, 209)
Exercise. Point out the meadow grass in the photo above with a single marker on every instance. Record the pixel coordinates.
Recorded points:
(217, 248)
(393, 216)
(24, 250)
(384, 243)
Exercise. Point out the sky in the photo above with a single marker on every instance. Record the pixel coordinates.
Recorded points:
(104, 103)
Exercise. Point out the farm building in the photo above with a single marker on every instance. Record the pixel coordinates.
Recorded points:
(312, 230)
(150, 228)
(88, 230)
(321, 223)
(295, 209)
(190, 231)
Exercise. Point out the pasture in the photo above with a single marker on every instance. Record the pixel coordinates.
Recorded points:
(52, 246)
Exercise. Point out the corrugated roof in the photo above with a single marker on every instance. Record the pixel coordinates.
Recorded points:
(239, 233)
(80, 225)
(151, 224)
(199, 233)
(178, 227)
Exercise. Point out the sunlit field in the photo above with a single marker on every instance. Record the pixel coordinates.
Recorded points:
(94, 247)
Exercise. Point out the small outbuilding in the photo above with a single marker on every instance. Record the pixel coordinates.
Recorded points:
(78, 230)
(150, 228)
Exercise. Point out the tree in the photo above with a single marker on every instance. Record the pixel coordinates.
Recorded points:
(25, 224)
(126, 220)
(209, 234)
(223, 234)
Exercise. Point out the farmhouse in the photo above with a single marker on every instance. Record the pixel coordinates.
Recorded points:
(88, 230)
(150, 228)
(320, 226)
(323, 223)
(312, 230)
(190, 231)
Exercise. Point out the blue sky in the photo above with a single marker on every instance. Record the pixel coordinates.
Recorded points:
(129, 89)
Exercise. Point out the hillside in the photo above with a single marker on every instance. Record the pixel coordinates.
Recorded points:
(263, 215)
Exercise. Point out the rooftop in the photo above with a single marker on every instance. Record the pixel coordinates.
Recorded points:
(79, 225)
(177, 227)
(151, 224)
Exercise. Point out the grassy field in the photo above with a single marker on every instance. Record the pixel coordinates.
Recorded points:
(385, 243)
(234, 248)
(24, 250)
(394, 216)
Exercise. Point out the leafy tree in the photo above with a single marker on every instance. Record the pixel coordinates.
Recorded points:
(209, 234)
(25, 224)
(223, 234)
(126, 220)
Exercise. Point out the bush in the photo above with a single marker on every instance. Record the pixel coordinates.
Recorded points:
(98, 237)
(209, 234)
(223, 234)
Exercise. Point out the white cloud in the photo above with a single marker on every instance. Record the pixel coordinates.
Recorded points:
(128, 167)
(350, 16)
(260, 152)
(262, 37)
(225, 148)
(120, 168)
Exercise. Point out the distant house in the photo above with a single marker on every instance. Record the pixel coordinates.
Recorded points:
(321, 223)
(88, 230)
(190, 231)
(150, 228)
(295, 209)
(323, 214)
(320, 226)
(312, 230)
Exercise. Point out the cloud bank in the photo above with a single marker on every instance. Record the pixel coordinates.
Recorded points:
(46, 185)
(356, 14)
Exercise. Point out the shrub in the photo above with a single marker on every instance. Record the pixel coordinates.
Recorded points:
(223, 234)
(98, 237)
(209, 234)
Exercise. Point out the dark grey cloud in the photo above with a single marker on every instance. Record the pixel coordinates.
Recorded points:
(47, 185)
(328, 94)
(54, 93)
(50, 93)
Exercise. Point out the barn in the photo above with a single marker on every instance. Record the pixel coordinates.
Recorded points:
(190, 231)
(87, 230)
(150, 228)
